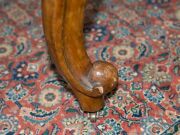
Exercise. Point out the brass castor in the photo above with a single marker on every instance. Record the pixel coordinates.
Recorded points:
(93, 117)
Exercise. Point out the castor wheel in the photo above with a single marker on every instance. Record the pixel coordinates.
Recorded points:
(93, 117)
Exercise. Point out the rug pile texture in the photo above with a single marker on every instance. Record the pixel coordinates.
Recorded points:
(140, 37)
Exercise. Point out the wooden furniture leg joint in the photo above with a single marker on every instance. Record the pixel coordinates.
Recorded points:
(63, 27)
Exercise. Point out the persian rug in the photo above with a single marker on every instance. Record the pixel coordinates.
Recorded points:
(140, 37)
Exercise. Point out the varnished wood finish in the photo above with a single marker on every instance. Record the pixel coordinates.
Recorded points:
(63, 27)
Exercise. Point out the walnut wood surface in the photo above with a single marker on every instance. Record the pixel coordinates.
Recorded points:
(63, 27)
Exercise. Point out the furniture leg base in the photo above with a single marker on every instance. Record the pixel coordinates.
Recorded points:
(89, 104)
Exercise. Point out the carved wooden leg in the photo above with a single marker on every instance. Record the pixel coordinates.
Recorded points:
(63, 27)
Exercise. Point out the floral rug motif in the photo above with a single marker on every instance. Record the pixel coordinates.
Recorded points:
(140, 37)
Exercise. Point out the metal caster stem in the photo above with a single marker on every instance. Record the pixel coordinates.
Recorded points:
(93, 117)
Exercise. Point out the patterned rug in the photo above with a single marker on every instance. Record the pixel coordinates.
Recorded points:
(140, 37)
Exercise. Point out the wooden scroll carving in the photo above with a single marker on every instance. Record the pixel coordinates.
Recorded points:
(63, 27)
